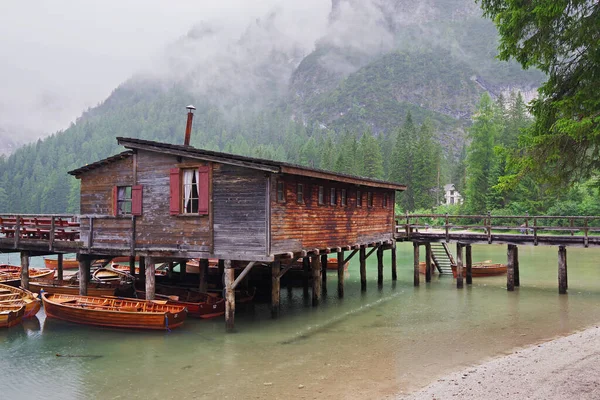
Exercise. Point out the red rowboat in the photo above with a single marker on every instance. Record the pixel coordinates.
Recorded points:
(199, 305)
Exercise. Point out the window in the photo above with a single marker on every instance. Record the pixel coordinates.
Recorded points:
(280, 192)
(369, 199)
(189, 190)
(321, 195)
(300, 193)
(385, 200)
(332, 197)
(358, 198)
(124, 200)
(343, 197)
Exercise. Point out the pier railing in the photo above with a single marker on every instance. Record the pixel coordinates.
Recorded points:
(49, 228)
(532, 227)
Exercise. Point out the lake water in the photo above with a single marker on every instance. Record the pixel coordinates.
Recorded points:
(365, 346)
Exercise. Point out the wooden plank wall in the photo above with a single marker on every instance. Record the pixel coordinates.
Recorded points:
(97, 184)
(240, 210)
(296, 227)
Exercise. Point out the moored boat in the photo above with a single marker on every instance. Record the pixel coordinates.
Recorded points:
(199, 305)
(108, 274)
(68, 263)
(482, 269)
(125, 268)
(68, 287)
(11, 315)
(332, 264)
(30, 300)
(114, 312)
(11, 274)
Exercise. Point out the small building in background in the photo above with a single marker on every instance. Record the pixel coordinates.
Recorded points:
(451, 195)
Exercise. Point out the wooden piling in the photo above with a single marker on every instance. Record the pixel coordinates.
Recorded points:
(229, 276)
(59, 266)
(340, 273)
(25, 270)
(132, 265)
(275, 288)
(150, 278)
(562, 270)
(83, 266)
(510, 270)
(221, 267)
(469, 262)
(324, 273)
(516, 266)
(416, 276)
(459, 266)
(203, 271)
(142, 273)
(363, 268)
(316, 280)
(428, 271)
(305, 275)
(380, 265)
(394, 264)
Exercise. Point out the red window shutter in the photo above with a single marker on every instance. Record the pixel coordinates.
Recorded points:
(175, 186)
(114, 200)
(136, 200)
(203, 189)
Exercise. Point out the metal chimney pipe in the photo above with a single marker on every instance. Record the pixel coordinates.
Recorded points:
(188, 127)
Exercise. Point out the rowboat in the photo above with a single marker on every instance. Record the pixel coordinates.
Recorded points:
(125, 268)
(11, 274)
(332, 264)
(114, 312)
(11, 315)
(108, 274)
(193, 266)
(199, 305)
(70, 287)
(68, 263)
(29, 300)
(422, 267)
(482, 269)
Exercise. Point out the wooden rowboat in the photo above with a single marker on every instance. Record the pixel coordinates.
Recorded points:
(483, 269)
(114, 312)
(109, 274)
(422, 267)
(11, 274)
(30, 300)
(332, 264)
(11, 315)
(199, 305)
(68, 263)
(125, 268)
(68, 287)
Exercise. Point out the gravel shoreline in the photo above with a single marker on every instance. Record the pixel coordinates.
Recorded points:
(564, 368)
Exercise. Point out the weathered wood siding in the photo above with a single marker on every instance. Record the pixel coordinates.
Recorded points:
(97, 184)
(156, 228)
(308, 226)
(240, 210)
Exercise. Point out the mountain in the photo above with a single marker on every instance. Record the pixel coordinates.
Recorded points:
(297, 77)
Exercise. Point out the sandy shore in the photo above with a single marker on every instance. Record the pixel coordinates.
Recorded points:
(564, 368)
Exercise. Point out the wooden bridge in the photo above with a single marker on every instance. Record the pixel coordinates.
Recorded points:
(512, 230)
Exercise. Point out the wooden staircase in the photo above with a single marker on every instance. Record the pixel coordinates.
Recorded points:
(442, 258)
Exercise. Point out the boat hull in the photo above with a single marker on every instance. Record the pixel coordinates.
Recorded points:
(89, 310)
(69, 263)
(483, 270)
(25, 298)
(11, 315)
(52, 287)
(211, 307)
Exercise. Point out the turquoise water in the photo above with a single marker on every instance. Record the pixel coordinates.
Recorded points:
(367, 345)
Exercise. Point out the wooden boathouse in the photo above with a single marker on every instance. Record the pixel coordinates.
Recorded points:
(171, 203)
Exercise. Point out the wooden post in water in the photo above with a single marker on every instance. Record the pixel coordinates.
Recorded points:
(510, 270)
(394, 264)
(516, 266)
(132, 265)
(25, 270)
(229, 275)
(60, 266)
(324, 273)
(305, 275)
(416, 277)
(380, 265)
(83, 276)
(363, 268)
(562, 270)
(469, 262)
(428, 266)
(150, 278)
(316, 280)
(340, 273)
(275, 288)
(203, 271)
(142, 272)
(459, 265)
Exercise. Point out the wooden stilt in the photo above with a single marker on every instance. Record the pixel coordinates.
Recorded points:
(516, 267)
(340, 273)
(82, 275)
(469, 262)
(221, 266)
(562, 270)
(459, 265)
(363, 268)
(394, 264)
(510, 270)
(203, 266)
(275, 288)
(324, 273)
(229, 275)
(132, 265)
(428, 264)
(305, 275)
(416, 277)
(182, 271)
(25, 270)
(380, 265)
(60, 267)
(316, 280)
(142, 272)
(150, 278)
